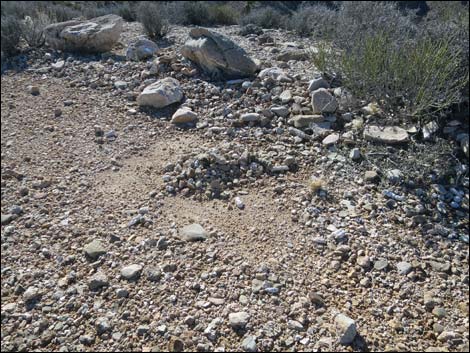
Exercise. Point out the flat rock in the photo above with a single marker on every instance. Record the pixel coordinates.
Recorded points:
(386, 134)
(94, 249)
(98, 34)
(404, 267)
(330, 140)
(131, 272)
(97, 281)
(303, 121)
(317, 83)
(193, 232)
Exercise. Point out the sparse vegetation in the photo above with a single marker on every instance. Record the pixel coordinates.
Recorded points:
(153, 17)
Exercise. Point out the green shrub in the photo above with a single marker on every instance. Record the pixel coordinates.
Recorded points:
(264, 17)
(10, 35)
(223, 15)
(153, 18)
(32, 29)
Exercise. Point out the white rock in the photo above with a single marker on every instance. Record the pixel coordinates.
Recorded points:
(161, 93)
(98, 34)
(238, 320)
(385, 134)
(346, 329)
(184, 115)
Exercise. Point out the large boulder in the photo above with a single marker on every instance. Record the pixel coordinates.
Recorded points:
(141, 48)
(97, 35)
(161, 93)
(217, 55)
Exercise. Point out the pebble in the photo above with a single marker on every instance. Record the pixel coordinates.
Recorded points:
(239, 320)
(346, 329)
(131, 272)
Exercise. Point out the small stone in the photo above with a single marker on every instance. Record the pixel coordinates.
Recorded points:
(175, 345)
(387, 135)
(355, 154)
(346, 329)
(193, 232)
(371, 176)
(249, 117)
(7, 218)
(330, 140)
(94, 249)
(249, 344)
(142, 330)
(380, 265)
(238, 320)
(31, 294)
(295, 325)
(131, 272)
(102, 325)
(439, 312)
(34, 90)
(286, 96)
(97, 281)
(317, 83)
(323, 101)
(184, 116)
(394, 176)
(404, 267)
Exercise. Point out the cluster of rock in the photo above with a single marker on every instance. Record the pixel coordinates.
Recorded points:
(216, 172)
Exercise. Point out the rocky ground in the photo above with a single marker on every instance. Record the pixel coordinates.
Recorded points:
(305, 242)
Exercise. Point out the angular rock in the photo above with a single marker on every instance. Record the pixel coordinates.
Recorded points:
(183, 115)
(217, 55)
(346, 329)
(94, 249)
(97, 281)
(248, 117)
(193, 232)
(141, 48)
(385, 134)
(249, 344)
(303, 121)
(371, 176)
(98, 34)
(330, 140)
(317, 83)
(323, 101)
(355, 154)
(131, 272)
(404, 267)
(238, 320)
(161, 93)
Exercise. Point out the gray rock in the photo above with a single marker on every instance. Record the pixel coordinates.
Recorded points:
(31, 294)
(131, 272)
(386, 134)
(102, 325)
(317, 83)
(94, 249)
(280, 111)
(430, 129)
(404, 267)
(380, 265)
(97, 281)
(239, 320)
(217, 55)
(248, 117)
(295, 325)
(7, 218)
(141, 48)
(439, 312)
(346, 329)
(330, 140)
(143, 329)
(323, 102)
(249, 344)
(161, 93)
(98, 34)
(355, 154)
(193, 232)
(183, 116)
(296, 55)
(303, 121)
(394, 176)
(371, 176)
(286, 96)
